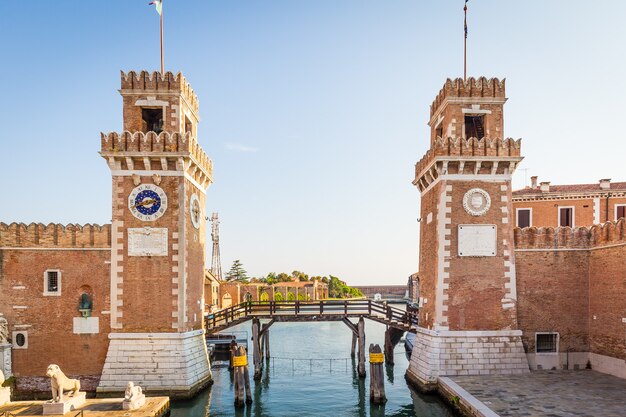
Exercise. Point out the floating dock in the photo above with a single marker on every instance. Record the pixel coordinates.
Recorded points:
(94, 407)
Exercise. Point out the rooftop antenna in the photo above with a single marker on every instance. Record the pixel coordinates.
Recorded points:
(465, 43)
(216, 263)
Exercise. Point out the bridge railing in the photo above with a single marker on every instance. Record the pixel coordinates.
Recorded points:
(373, 309)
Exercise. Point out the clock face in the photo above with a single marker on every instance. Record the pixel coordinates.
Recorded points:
(194, 211)
(147, 202)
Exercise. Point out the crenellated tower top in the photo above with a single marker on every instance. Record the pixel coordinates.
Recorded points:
(158, 102)
(471, 108)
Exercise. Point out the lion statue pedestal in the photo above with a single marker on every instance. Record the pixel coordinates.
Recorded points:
(5, 392)
(62, 402)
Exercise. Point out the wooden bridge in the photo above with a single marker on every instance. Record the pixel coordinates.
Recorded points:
(397, 321)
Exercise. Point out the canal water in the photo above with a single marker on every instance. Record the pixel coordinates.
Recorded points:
(311, 374)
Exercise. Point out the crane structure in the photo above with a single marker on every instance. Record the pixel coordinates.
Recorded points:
(216, 263)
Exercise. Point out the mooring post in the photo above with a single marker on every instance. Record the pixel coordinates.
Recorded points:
(233, 352)
(361, 329)
(353, 350)
(377, 375)
(266, 337)
(242, 377)
(388, 346)
(256, 348)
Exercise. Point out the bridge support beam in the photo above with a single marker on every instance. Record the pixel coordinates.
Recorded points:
(392, 337)
(256, 348)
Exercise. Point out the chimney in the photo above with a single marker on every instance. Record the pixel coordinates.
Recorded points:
(545, 186)
(533, 182)
(605, 184)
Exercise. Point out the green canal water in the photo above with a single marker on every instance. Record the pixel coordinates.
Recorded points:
(311, 374)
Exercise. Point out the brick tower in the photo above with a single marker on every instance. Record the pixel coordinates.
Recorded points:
(160, 176)
(468, 313)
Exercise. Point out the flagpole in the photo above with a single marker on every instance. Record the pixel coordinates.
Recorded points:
(161, 20)
(465, 43)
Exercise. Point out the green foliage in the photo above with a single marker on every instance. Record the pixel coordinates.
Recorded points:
(9, 382)
(336, 287)
(237, 273)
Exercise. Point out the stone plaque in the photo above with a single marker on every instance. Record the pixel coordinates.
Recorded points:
(86, 325)
(147, 241)
(477, 239)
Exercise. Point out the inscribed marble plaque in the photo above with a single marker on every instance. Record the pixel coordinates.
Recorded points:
(477, 239)
(147, 241)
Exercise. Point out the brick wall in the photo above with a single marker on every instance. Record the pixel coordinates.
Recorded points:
(82, 256)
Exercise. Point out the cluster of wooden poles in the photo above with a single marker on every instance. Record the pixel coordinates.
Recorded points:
(261, 350)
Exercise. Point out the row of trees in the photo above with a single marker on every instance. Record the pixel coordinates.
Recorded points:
(336, 287)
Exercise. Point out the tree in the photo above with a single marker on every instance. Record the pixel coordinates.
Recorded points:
(237, 273)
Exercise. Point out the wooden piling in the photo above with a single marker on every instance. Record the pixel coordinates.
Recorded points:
(377, 375)
(256, 349)
(232, 349)
(361, 330)
(352, 351)
(388, 347)
(266, 338)
(242, 377)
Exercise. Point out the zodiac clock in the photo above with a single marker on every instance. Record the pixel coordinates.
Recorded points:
(147, 202)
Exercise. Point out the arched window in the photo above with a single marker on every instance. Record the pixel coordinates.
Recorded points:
(290, 296)
(278, 296)
(265, 296)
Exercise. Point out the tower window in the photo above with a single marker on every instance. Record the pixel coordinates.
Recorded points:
(566, 216)
(620, 211)
(52, 282)
(188, 125)
(524, 218)
(474, 127)
(152, 120)
(439, 131)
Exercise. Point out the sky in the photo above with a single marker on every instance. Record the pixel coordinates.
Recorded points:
(313, 112)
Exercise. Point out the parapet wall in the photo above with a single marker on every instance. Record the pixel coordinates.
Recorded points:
(54, 235)
(151, 142)
(472, 87)
(157, 82)
(472, 147)
(570, 238)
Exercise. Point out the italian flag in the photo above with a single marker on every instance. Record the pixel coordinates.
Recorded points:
(158, 5)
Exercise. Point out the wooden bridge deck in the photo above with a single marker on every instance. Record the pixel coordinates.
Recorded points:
(311, 311)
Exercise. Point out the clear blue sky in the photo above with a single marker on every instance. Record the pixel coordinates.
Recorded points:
(314, 112)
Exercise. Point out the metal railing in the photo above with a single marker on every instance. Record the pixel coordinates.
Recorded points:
(313, 310)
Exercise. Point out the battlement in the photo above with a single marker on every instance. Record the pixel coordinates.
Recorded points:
(149, 151)
(472, 87)
(469, 148)
(53, 235)
(156, 82)
(570, 238)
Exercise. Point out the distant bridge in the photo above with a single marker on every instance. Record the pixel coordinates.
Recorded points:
(397, 293)
(398, 321)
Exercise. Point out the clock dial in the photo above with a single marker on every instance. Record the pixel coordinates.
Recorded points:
(194, 211)
(147, 202)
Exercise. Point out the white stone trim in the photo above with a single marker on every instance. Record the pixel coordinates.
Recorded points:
(479, 409)
(615, 206)
(127, 173)
(48, 293)
(15, 345)
(596, 210)
(117, 250)
(530, 217)
(444, 222)
(156, 336)
(467, 177)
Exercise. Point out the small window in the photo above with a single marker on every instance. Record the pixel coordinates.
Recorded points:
(152, 120)
(524, 218)
(439, 131)
(566, 216)
(546, 342)
(620, 211)
(52, 282)
(188, 125)
(474, 127)
(20, 340)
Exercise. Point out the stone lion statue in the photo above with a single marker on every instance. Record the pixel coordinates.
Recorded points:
(132, 392)
(60, 383)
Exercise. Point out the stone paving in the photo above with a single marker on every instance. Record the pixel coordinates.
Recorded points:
(549, 393)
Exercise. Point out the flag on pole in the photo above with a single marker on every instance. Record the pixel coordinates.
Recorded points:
(159, 6)
(465, 21)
